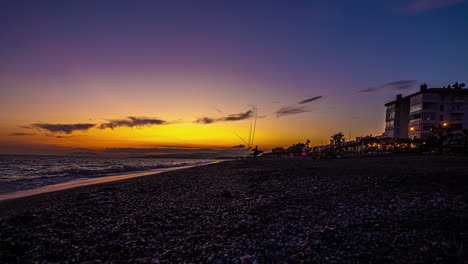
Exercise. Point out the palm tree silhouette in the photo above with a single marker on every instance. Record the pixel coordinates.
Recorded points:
(337, 139)
(441, 133)
(458, 86)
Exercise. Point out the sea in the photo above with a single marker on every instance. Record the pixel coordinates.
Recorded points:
(24, 172)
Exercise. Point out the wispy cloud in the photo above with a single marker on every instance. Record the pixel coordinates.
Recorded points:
(418, 6)
(21, 134)
(402, 85)
(132, 121)
(308, 100)
(237, 117)
(297, 108)
(291, 110)
(60, 136)
(229, 118)
(65, 128)
(47, 135)
(238, 147)
(205, 120)
(370, 90)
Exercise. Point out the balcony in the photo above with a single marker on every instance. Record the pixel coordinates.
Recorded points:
(457, 118)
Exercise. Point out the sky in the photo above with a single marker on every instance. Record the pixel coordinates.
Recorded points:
(124, 77)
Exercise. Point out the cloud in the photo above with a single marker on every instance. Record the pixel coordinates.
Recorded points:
(21, 134)
(237, 117)
(419, 6)
(370, 90)
(310, 99)
(229, 118)
(290, 110)
(65, 128)
(205, 120)
(59, 136)
(132, 121)
(402, 85)
(54, 136)
(238, 147)
(298, 108)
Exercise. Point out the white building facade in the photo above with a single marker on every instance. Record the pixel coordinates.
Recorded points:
(417, 115)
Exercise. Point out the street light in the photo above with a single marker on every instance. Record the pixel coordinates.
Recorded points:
(444, 124)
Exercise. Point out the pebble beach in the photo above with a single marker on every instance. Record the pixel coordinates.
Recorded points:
(388, 209)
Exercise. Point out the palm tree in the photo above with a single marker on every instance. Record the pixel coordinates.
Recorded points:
(337, 139)
(441, 134)
(458, 86)
(300, 148)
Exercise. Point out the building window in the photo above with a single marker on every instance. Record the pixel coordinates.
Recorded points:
(441, 107)
(456, 107)
(441, 118)
(430, 106)
(428, 128)
(415, 107)
(416, 99)
(428, 116)
(415, 117)
(457, 117)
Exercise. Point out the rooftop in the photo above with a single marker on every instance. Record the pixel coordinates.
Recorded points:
(430, 90)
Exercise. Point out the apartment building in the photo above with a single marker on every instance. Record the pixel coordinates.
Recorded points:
(397, 117)
(417, 115)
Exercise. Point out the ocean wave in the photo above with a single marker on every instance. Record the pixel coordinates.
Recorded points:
(34, 173)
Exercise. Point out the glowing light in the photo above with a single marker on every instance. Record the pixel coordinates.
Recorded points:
(411, 129)
(444, 124)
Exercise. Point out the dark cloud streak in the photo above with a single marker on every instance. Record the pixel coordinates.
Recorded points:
(71, 136)
(291, 110)
(237, 117)
(310, 99)
(65, 128)
(132, 121)
(229, 118)
(21, 134)
(402, 85)
(205, 120)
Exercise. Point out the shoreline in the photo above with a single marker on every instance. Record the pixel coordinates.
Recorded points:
(91, 181)
(405, 209)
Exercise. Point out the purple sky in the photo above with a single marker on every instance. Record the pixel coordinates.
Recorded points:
(90, 61)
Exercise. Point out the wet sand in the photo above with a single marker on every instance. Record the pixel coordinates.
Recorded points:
(394, 209)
